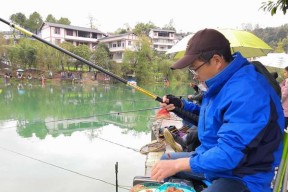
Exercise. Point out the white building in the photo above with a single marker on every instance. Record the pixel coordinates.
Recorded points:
(162, 39)
(117, 44)
(58, 33)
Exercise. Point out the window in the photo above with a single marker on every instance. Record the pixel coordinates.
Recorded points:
(129, 42)
(83, 34)
(170, 41)
(163, 34)
(57, 30)
(69, 32)
(118, 43)
(94, 35)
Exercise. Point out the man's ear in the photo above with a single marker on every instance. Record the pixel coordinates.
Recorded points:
(219, 61)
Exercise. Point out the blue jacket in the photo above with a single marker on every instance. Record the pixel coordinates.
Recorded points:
(240, 127)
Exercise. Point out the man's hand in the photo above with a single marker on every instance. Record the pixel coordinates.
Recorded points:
(163, 169)
(170, 102)
(166, 168)
(175, 100)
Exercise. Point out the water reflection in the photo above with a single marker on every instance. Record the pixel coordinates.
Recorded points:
(85, 129)
(59, 110)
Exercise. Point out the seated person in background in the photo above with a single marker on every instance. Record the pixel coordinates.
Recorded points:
(284, 95)
(197, 96)
(182, 141)
(176, 139)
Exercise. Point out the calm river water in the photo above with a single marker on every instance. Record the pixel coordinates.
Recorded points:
(57, 138)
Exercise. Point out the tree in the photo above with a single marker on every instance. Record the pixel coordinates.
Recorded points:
(50, 18)
(19, 19)
(143, 28)
(272, 7)
(140, 61)
(101, 56)
(282, 33)
(162, 69)
(34, 22)
(25, 53)
(279, 48)
(47, 57)
(63, 59)
(82, 51)
(121, 31)
(285, 44)
(64, 21)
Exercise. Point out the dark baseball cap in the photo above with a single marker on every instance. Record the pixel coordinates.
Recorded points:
(203, 41)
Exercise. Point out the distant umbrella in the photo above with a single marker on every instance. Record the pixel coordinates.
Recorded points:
(278, 60)
(180, 46)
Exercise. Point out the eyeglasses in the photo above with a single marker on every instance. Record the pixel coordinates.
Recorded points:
(194, 71)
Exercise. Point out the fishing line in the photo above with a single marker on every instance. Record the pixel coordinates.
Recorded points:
(135, 150)
(65, 169)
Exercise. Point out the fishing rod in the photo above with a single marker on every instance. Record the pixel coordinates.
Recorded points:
(191, 116)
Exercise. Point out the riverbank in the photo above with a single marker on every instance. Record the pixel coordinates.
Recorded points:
(54, 78)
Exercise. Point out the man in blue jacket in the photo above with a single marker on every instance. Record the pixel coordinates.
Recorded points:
(241, 121)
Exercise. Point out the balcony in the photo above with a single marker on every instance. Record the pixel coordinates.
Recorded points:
(82, 39)
(114, 49)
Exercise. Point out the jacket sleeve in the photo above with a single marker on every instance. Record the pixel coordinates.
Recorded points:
(190, 114)
(191, 107)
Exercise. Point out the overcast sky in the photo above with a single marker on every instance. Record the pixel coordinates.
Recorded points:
(188, 15)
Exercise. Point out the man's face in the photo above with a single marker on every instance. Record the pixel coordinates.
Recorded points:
(204, 70)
